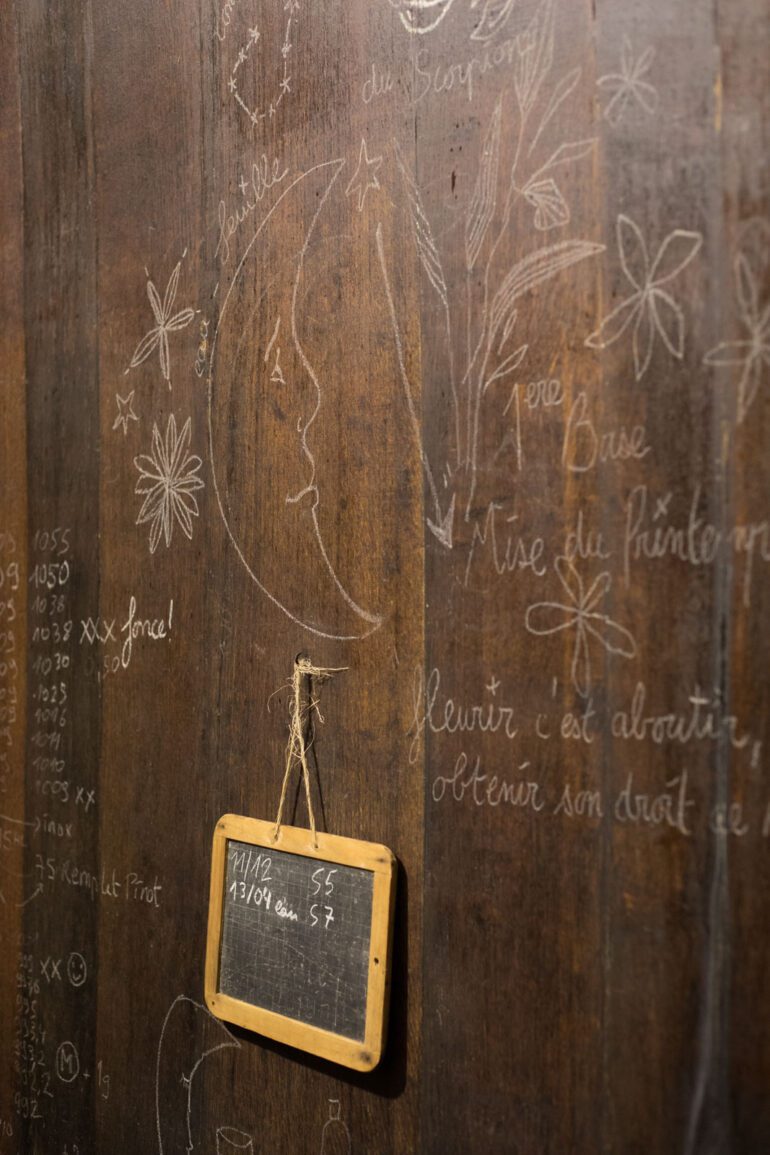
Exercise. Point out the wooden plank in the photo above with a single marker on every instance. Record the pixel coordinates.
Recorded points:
(59, 1076)
(741, 395)
(13, 599)
(659, 145)
(515, 985)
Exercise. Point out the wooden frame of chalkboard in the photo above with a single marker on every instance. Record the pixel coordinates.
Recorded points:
(364, 1053)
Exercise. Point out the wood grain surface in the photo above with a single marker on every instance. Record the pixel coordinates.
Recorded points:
(431, 341)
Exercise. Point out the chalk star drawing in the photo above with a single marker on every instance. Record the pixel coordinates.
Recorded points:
(245, 376)
(255, 115)
(650, 307)
(580, 613)
(365, 176)
(753, 351)
(125, 411)
(165, 322)
(168, 478)
(628, 85)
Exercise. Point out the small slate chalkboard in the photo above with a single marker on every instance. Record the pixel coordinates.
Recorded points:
(299, 937)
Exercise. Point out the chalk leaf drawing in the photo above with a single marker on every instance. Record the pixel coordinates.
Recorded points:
(629, 86)
(494, 17)
(441, 524)
(752, 352)
(166, 321)
(168, 476)
(231, 1139)
(245, 52)
(580, 613)
(365, 176)
(494, 282)
(125, 411)
(650, 308)
(188, 1036)
(421, 16)
(482, 206)
(263, 383)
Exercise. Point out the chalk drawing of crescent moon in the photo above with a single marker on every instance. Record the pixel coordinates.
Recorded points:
(263, 399)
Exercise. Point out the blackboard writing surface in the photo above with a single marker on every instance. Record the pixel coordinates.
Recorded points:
(299, 935)
(295, 937)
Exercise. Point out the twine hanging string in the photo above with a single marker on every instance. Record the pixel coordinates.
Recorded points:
(301, 722)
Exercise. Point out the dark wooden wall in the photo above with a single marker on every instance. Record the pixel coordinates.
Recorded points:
(432, 340)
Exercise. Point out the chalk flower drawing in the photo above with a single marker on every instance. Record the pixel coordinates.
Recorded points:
(168, 476)
(166, 321)
(581, 614)
(650, 308)
(629, 85)
(753, 352)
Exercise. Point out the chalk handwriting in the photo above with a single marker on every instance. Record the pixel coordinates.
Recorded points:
(264, 176)
(652, 533)
(628, 804)
(378, 83)
(103, 882)
(224, 18)
(484, 790)
(585, 544)
(583, 448)
(513, 554)
(444, 715)
(703, 720)
(668, 808)
(438, 75)
(154, 629)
